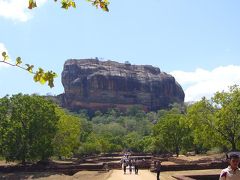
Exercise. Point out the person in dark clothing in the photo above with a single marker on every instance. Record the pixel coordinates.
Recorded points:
(124, 163)
(136, 166)
(130, 166)
(158, 169)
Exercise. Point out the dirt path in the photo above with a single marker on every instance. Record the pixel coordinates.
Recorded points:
(142, 175)
(145, 174)
(111, 175)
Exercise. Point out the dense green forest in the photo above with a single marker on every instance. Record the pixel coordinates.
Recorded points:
(34, 128)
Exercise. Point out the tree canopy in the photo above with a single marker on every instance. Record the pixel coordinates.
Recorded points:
(171, 132)
(217, 121)
(67, 138)
(27, 127)
(33, 128)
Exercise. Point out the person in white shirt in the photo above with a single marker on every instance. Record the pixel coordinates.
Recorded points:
(124, 164)
(232, 172)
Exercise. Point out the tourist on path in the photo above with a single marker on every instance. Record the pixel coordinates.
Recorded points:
(135, 163)
(232, 172)
(130, 166)
(158, 169)
(124, 164)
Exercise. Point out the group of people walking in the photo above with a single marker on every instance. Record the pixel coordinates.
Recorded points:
(232, 172)
(131, 163)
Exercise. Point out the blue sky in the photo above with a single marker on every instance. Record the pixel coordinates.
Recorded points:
(197, 41)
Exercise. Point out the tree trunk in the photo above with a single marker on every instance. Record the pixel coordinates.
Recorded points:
(23, 157)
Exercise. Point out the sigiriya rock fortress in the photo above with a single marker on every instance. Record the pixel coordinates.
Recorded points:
(99, 85)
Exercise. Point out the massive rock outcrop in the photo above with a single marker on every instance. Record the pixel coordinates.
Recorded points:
(100, 85)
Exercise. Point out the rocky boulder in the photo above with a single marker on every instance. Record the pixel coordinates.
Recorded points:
(99, 85)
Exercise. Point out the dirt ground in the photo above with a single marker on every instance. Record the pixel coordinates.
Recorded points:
(147, 175)
(168, 174)
(82, 175)
(202, 157)
(111, 175)
(142, 175)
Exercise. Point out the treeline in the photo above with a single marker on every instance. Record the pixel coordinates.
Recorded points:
(34, 128)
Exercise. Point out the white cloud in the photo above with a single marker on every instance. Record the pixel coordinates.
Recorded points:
(205, 83)
(2, 47)
(17, 9)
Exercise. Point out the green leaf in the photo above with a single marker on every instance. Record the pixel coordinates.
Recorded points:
(32, 4)
(5, 56)
(43, 79)
(30, 68)
(39, 74)
(49, 76)
(18, 61)
(65, 5)
(95, 3)
(73, 4)
(104, 7)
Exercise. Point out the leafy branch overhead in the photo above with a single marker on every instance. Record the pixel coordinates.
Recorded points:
(39, 76)
(103, 4)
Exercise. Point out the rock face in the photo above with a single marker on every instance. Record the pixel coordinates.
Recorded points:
(100, 85)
